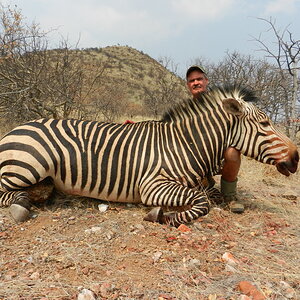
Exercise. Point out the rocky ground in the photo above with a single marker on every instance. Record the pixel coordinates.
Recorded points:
(71, 250)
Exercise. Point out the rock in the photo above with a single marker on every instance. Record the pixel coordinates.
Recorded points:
(35, 276)
(134, 229)
(1, 219)
(249, 289)
(184, 228)
(139, 227)
(109, 235)
(230, 268)
(156, 256)
(229, 259)
(93, 229)
(105, 289)
(102, 207)
(19, 213)
(194, 263)
(288, 292)
(86, 294)
(244, 297)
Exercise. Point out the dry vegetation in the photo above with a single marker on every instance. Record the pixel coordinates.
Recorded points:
(69, 245)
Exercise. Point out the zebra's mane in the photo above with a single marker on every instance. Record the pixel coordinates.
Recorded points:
(215, 94)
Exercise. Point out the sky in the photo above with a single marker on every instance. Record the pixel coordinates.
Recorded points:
(180, 30)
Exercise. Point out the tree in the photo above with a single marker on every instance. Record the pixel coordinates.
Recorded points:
(37, 82)
(167, 88)
(286, 56)
(110, 104)
(258, 75)
(18, 74)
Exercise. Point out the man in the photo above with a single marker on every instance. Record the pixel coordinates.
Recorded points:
(197, 83)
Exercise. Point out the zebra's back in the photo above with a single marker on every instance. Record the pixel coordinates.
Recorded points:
(99, 160)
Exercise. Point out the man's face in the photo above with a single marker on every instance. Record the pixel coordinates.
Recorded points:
(197, 83)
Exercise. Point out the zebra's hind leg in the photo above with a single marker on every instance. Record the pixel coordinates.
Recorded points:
(174, 194)
(19, 204)
(20, 201)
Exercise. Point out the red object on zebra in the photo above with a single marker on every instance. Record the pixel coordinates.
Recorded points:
(129, 122)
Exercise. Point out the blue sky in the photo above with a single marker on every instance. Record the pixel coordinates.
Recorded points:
(178, 29)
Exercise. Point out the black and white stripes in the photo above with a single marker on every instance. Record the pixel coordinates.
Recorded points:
(153, 162)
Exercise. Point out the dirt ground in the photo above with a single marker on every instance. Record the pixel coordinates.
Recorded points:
(71, 250)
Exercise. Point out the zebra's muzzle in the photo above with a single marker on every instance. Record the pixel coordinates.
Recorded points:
(290, 166)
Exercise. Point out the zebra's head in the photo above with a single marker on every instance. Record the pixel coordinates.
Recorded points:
(255, 135)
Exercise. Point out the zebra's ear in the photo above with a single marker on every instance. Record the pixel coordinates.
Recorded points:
(232, 106)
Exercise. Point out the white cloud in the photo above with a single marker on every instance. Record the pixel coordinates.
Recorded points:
(280, 6)
(109, 22)
(122, 21)
(204, 9)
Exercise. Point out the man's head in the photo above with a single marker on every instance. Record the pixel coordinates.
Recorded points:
(197, 80)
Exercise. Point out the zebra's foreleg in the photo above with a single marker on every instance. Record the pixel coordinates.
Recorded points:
(19, 204)
(199, 208)
(174, 194)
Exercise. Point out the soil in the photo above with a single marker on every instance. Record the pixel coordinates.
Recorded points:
(71, 250)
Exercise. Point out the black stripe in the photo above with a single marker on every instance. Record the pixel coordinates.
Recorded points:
(21, 164)
(50, 139)
(134, 148)
(115, 167)
(86, 137)
(124, 165)
(28, 149)
(144, 146)
(106, 154)
(95, 151)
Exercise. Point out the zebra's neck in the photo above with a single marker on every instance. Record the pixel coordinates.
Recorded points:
(205, 134)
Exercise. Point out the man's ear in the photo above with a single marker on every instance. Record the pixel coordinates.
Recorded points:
(232, 106)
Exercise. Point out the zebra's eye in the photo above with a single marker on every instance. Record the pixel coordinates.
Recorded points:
(264, 123)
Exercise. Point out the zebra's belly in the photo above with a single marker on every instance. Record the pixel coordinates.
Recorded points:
(113, 196)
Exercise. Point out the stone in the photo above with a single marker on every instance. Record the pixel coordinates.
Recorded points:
(86, 294)
(229, 259)
(156, 256)
(184, 228)
(102, 207)
(249, 289)
(94, 229)
(35, 276)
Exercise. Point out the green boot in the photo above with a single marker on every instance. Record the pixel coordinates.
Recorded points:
(228, 190)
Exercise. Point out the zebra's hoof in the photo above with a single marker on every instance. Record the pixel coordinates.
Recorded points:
(19, 213)
(155, 215)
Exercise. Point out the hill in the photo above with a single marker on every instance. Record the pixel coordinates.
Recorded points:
(106, 84)
(138, 77)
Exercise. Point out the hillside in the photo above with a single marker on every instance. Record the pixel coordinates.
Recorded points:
(138, 75)
(105, 84)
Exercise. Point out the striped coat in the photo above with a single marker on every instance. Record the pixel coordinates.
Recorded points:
(158, 163)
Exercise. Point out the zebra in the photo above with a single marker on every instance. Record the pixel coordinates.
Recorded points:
(159, 163)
